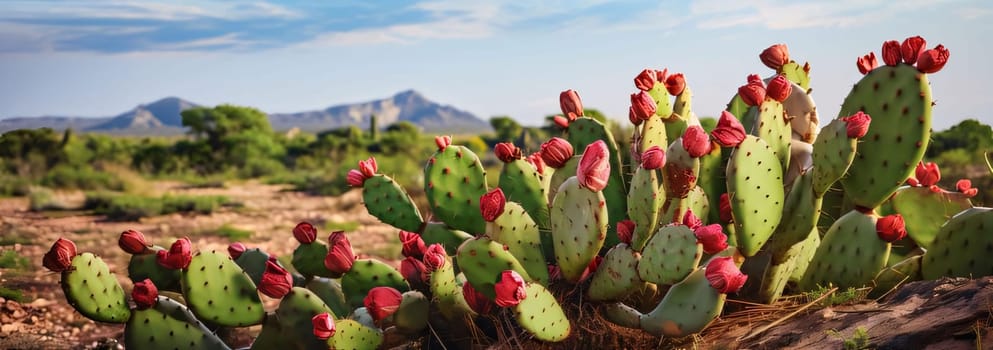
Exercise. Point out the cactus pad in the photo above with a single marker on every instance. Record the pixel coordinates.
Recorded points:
(644, 202)
(482, 260)
(168, 325)
(962, 247)
(670, 255)
(521, 183)
(617, 276)
(451, 239)
(579, 228)
(755, 187)
(540, 314)
(308, 259)
(850, 254)
(833, 154)
(142, 266)
(367, 274)
(350, 334)
(925, 211)
(454, 179)
(390, 203)
(515, 229)
(687, 308)
(219, 292)
(295, 313)
(93, 290)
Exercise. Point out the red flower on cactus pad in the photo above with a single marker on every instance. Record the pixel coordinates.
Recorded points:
(382, 302)
(965, 186)
(442, 142)
(696, 142)
(510, 289)
(491, 204)
(412, 243)
(144, 294)
(561, 122)
(675, 84)
(643, 105)
(276, 281)
(891, 53)
(415, 272)
(775, 56)
(570, 102)
(367, 168)
(324, 326)
(355, 178)
(690, 220)
(912, 48)
(133, 242)
(305, 233)
(535, 160)
(653, 158)
(435, 257)
(891, 228)
(506, 152)
(725, 208)
(340, 257)
(927, 174)
(177, 257)
(712, 238)
(931, 61)
(633, 116)
(752, 93)
(779, 88)
(556, 152)
(594, 167)
(625, 230)
(477, 301)
(856, 125)
(236, 249)
(660, 75)
(867, 63)
(645, 80)
(724, 275)
(729, 131)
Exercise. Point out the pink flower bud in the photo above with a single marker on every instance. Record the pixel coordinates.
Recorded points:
(696, 142)
(754, 79)
(561, 122)
(477, 301)
(660, 75)
(491, 204)
(133, 242)
(891, 228)
(965, 186)
(570, 103)
(236, 249)
(594, 167)
(442, 142)
(507, 152)
(725, 208)
(690, 220)
(340, 257)
(646, 80)
(775, 56)
(324, 326)
(752, 93)
(145, 294)
(413, 245)
(355, 178)
(653, 158)
(625, 230)
(867, 63)
(382, 302)
(675, 84)
(913, 182)
(591, 268)
(931, 61)
(435, 257)
(276, 281)
(642, 105)
(928, 174)
(177, 257)
(368, 167)
(535, 160)
(912, 48)
(414, 272)
(891, 53)
(712, 237)
(305, 233)
(510, 289)
(779, 88)
(856, 125)
(633, 116)
(729, 131)
(724, 275)
(556, 152)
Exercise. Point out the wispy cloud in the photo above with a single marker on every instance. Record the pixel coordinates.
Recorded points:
(785, 14)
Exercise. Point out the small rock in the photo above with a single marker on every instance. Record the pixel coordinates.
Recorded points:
(828, 313)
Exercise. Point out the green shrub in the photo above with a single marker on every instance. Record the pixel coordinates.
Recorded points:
(14, 186)
(9, 259)
(129, 207)
(232, 233)
(82, 178)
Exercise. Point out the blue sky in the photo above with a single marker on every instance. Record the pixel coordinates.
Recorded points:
(503, 57)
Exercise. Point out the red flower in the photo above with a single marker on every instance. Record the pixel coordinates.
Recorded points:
(891, 228)
(660, 75)
(724, 275)
(510, 289)
(368, 167)
(442, 142)
(477, 301)
(867, 63)
(779, 88)
(625, 230)
(382, 302)
(236, 249)
(556, 152)
(305, 233)
(324, 326)
(928, 174)
(491, 204)
(413, 245)
(690, 220)
(712, 237)
(633, 116)
(725, 208)
(642, 105)
(965, 186)
(912, 48)
(752, 93)
(856, 125)
(594, 167)
(775, 56)
(570, 103)
(414, 272)
(653, 158)
(355, 178)
(931, 61)
(177, 257)
(675, 84)
(537, 162)
(133, 242)
(891, 53)
(696, 142)
(276, 281)
(506, 152)
(435, 257)
(340, 257)
(729, 131)
(561, 122)
(645, 80)
(145, 294)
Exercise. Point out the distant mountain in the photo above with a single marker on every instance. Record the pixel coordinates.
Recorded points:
(164, 117)
(408, 106)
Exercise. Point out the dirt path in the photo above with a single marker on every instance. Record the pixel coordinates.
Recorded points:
(44, 320)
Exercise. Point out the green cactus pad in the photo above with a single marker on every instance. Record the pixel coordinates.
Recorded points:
(330, 292)
(617, 276)
(295, 313)
(541, 315)
(687, 308)
(670, 255)
(308, 259)
(451, 239)
(143, 266)
(390, 203)
(755, 187)
(412, 315)
(447, 292)
(800, 215)
(663, 107)
(93, 290)
(168, 325)
(219, 292)
(850, 254)
(653, 134)
(454, 179)
(898, 98)
(925, 211)
(622, 315)
(253, 262)
(567, 171)
(271, 336)
(681, 171)
(682, 115)
(804, 252)
(482, 260)
(833, 154)
(797, 74)
(711, 180)
(367, 274)
(773, 128)
(350, 334)
(645, 199)
(515, 229)
(579, 228)
(522, 184)
(746, 114)
(582, 133)
(905, 271)
(962, 247)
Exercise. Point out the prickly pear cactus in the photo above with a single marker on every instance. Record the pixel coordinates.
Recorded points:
(755, 185)
(218, 291)
(850, 254)
(579, 228)
(617, 276)
(454, 180)
(519, 233)
(925, 211)
(367, 274)
(687, 308)
(295, 312)
(142, 266)
(389, 202)
(93, 290)
(541, 315)
(962, 247)
(482, 260)
(350, 334)
(168, 325)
